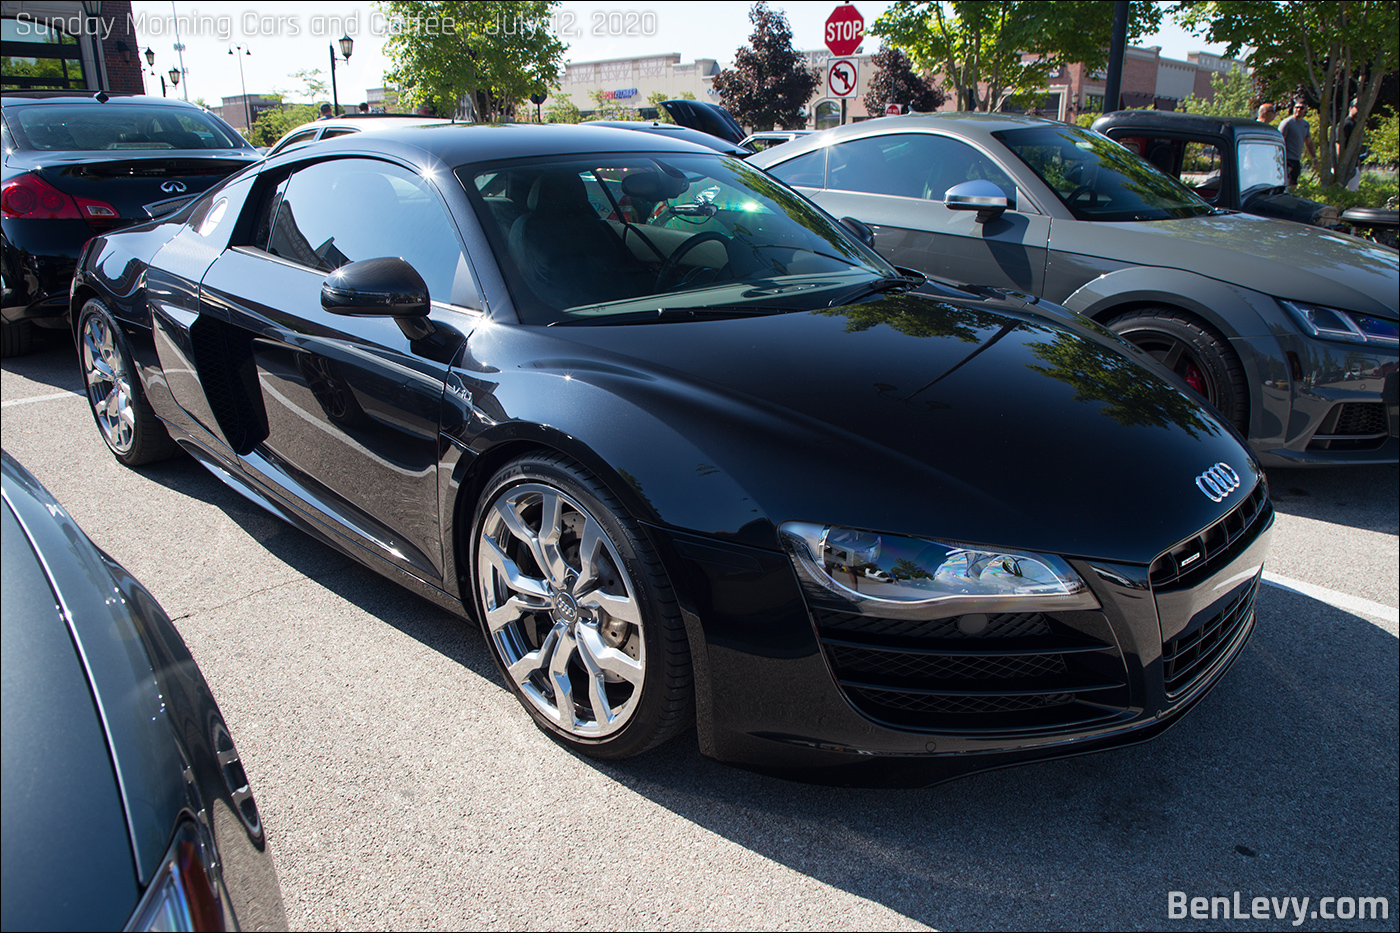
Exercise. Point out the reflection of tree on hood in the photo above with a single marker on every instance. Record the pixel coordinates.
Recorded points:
(1130, 396)
(917, 316)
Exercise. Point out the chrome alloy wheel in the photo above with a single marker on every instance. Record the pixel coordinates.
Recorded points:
(108, 383)
(560, 610)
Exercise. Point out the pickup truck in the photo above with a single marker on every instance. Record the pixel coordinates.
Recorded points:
(1236, 164)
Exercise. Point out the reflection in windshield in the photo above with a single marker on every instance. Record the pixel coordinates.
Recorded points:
(1128, 395)
(591, 237)
(918, 316)
(1097, 179)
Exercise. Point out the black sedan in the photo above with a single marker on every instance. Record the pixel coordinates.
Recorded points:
(689, 451)
(125, 802)
(1290, 332)
(76, 165)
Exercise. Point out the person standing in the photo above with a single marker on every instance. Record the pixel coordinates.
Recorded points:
(1297, 136)
(1267, 112)
(1343, 137)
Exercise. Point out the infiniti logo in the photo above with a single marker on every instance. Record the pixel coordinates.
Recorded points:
(1218, 482)
(173, 187)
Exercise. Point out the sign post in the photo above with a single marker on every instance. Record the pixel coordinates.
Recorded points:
(845, 28)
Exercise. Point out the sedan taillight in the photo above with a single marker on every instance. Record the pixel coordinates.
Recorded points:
(29, 197)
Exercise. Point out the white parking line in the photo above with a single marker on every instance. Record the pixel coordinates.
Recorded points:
(1341, 600)
(54, 396)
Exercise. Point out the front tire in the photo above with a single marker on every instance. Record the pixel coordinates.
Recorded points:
(578, 611)
(1198, 356)
(115, 396)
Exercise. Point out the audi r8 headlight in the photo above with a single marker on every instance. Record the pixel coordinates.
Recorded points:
(882, 574)
(1333, 324)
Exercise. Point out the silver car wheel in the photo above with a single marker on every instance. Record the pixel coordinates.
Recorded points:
(108, 384)
(560, 609)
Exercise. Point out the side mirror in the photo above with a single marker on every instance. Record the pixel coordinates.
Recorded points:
(862, 231)
(384, 287)
(980, 195)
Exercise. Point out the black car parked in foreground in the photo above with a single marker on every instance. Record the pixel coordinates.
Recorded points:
(689, 451)
(125, 801)
(76, 165)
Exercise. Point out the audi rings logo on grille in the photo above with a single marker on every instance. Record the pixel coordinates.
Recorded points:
(173, 187)
(1218, 482)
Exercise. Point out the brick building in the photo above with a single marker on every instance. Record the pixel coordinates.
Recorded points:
(55, 44)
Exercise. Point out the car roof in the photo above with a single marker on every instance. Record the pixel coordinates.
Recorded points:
(92, 98)
(1168, 120)
(975, 126)
(463, 143)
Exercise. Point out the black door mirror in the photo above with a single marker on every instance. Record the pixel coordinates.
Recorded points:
(384, 287)
(980, 195)
(863, 231)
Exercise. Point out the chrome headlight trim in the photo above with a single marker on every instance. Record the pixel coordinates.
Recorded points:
(902, 576)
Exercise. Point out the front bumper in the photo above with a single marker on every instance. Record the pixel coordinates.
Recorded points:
(817, 697)
(1323, 402)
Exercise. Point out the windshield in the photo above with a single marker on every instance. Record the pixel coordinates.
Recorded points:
(1261, 165)
(1097, 179)
(89, 127)
(585, 238)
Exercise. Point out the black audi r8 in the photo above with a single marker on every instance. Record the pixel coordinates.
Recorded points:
(689, 451)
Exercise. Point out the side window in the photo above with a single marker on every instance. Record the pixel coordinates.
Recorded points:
(910, 165)
(345, 210)
(339, 131)
(299, 139)
(806, 171)
(1200, 169)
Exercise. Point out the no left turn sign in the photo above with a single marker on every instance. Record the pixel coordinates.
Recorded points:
(842, 77)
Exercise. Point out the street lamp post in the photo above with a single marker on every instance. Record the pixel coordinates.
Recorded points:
(247, 108)
(347, 45)
(174, 72)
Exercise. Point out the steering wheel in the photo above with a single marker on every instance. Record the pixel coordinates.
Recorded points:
(665, 277)
(1077, 193)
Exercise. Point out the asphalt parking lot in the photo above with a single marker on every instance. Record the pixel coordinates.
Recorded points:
(404, 788)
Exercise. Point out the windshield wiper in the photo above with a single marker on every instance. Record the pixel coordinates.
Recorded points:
(671, 315)
(888, 283)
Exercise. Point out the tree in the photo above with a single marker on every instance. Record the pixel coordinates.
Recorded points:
(770, 82)
(1334, 51)
(271, 125)
(1011, 46)
(655, 98)
(562, 109)
(897, 83)
(490, 55)
(313, 82)
(1234, 95)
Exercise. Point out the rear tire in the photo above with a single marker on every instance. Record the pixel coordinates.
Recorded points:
(578, 611)
(16, 339)
(1198, 355)
(115, 395)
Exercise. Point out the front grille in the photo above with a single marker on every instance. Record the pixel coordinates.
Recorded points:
(1190, 656)
(1000, 671)
(1199, 556)
(1352, 426)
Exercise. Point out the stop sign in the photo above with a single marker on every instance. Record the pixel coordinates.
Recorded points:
(845, 27)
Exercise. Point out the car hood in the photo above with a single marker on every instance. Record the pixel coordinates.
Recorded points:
(1281, 259)
(973, 421)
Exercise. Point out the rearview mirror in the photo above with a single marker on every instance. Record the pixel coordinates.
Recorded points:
(980, 195)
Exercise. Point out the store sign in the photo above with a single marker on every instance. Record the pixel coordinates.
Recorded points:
(624, 94)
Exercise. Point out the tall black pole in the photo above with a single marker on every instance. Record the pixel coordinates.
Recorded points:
(1113, 90)
(335, 98)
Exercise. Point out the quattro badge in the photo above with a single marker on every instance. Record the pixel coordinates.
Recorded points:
(1218, 482)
